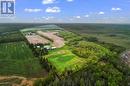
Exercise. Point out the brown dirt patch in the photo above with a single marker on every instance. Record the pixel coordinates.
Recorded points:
(21, 81)
(57, 41)
(35, 39)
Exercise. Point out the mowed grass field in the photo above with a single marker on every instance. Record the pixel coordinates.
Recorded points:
(17, 59)
(63, 59)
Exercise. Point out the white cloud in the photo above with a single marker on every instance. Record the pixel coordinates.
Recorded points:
(48, 18)
(53, 10)
(78, 17)
(116, 9)
(101, 13)
(70, 0)
(48, 1)
(86, 16)
(32, 10)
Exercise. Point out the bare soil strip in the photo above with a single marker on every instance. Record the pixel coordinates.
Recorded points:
(57, 41)
(24, 81)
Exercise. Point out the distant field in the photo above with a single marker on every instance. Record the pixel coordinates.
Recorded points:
(17, 59)
(8, 27)
(64, 59)
(120, 40)
(43, 27)
(117, 34)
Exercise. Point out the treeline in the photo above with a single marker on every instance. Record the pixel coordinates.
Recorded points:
(89, 50)
(39, 52)
(97, 74)
(104, 66)
(110, 46)
(38, 49)
(45, 37)
(16, 36)
(116, 60)
(11, 27)
(84, 49)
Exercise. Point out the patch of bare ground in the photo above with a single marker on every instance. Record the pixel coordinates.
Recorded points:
(58, 42)
(126, 57)
(20, 80)
(35, 39)
(16, 81)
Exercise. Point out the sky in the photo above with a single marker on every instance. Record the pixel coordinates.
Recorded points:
(70, 11)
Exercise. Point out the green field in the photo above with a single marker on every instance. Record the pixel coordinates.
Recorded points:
(64, 59)
(118, 34)
(17, 59)
(118, 39)
(43, 27)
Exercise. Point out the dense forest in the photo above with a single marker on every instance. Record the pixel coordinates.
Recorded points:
(104, 66)
(10, 27)
(15, 36)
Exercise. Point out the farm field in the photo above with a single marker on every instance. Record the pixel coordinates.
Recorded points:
(58, 42)
(17, 59)
(35, 39)
(63, 59)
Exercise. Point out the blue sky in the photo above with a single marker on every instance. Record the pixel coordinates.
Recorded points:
(71, 11)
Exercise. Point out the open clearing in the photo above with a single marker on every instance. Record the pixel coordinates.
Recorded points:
(126, 57)
(16, 81)
(120, 40)
(118, 34)
(42, 27)
(17, 59)
(58, 42)
(36, 39)
(64, 59)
